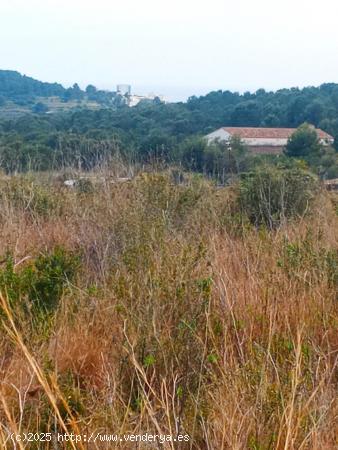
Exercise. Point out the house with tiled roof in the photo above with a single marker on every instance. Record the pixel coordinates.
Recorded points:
(262, 140)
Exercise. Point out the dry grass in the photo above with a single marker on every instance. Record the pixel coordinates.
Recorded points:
(182, 318)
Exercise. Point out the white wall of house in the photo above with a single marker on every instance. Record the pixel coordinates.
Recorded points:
(219, 134)
(270, 142)
(224, 136)
(326, 142)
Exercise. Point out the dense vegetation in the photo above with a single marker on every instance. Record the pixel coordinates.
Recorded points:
(168, 133)
(168, 303)
(191, 308)
(23, 90)
(169, 306)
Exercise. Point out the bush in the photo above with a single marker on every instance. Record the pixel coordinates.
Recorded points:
(303, 142)
(42, 281)
(271, 195)
(25, 194)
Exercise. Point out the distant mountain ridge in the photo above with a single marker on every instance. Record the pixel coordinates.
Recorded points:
(21, 94)
(39, 121)
(17, 87)
(285, 108)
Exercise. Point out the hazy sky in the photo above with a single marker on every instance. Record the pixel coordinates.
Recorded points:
(179, 47)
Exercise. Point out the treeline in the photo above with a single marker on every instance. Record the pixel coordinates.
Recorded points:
(283, 108)
(25, 91)
(76, 140)
(22, 89)
(161, 132)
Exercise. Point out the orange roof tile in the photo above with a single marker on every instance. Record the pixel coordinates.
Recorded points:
(269, 133)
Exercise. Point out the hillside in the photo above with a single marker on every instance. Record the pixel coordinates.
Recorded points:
(44, 125)
(20, 88)
(282, 108)
(20, 95)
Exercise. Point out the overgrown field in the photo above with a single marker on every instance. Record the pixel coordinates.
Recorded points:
(153, 306)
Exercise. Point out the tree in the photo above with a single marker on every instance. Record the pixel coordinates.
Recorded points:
(40, 108)
(271, 195)
(314, 112)
(91, 90)
(239, 155)
(191, 153)
(295, 113)
(77, 94)
(304, 142)
(67, 95)
(271, 120)
(247, 114)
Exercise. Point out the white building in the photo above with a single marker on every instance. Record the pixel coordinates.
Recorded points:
(262, 140)
(124, 92)
(135, 99)
(123, 89)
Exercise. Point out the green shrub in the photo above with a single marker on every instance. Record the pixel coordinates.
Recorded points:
(270, 195)
(84, 186)
(26, 195)
(41, 282)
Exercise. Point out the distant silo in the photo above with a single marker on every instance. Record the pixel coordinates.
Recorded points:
(123, 89)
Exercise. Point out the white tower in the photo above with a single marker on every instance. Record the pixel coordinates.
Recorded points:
(123, 89)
